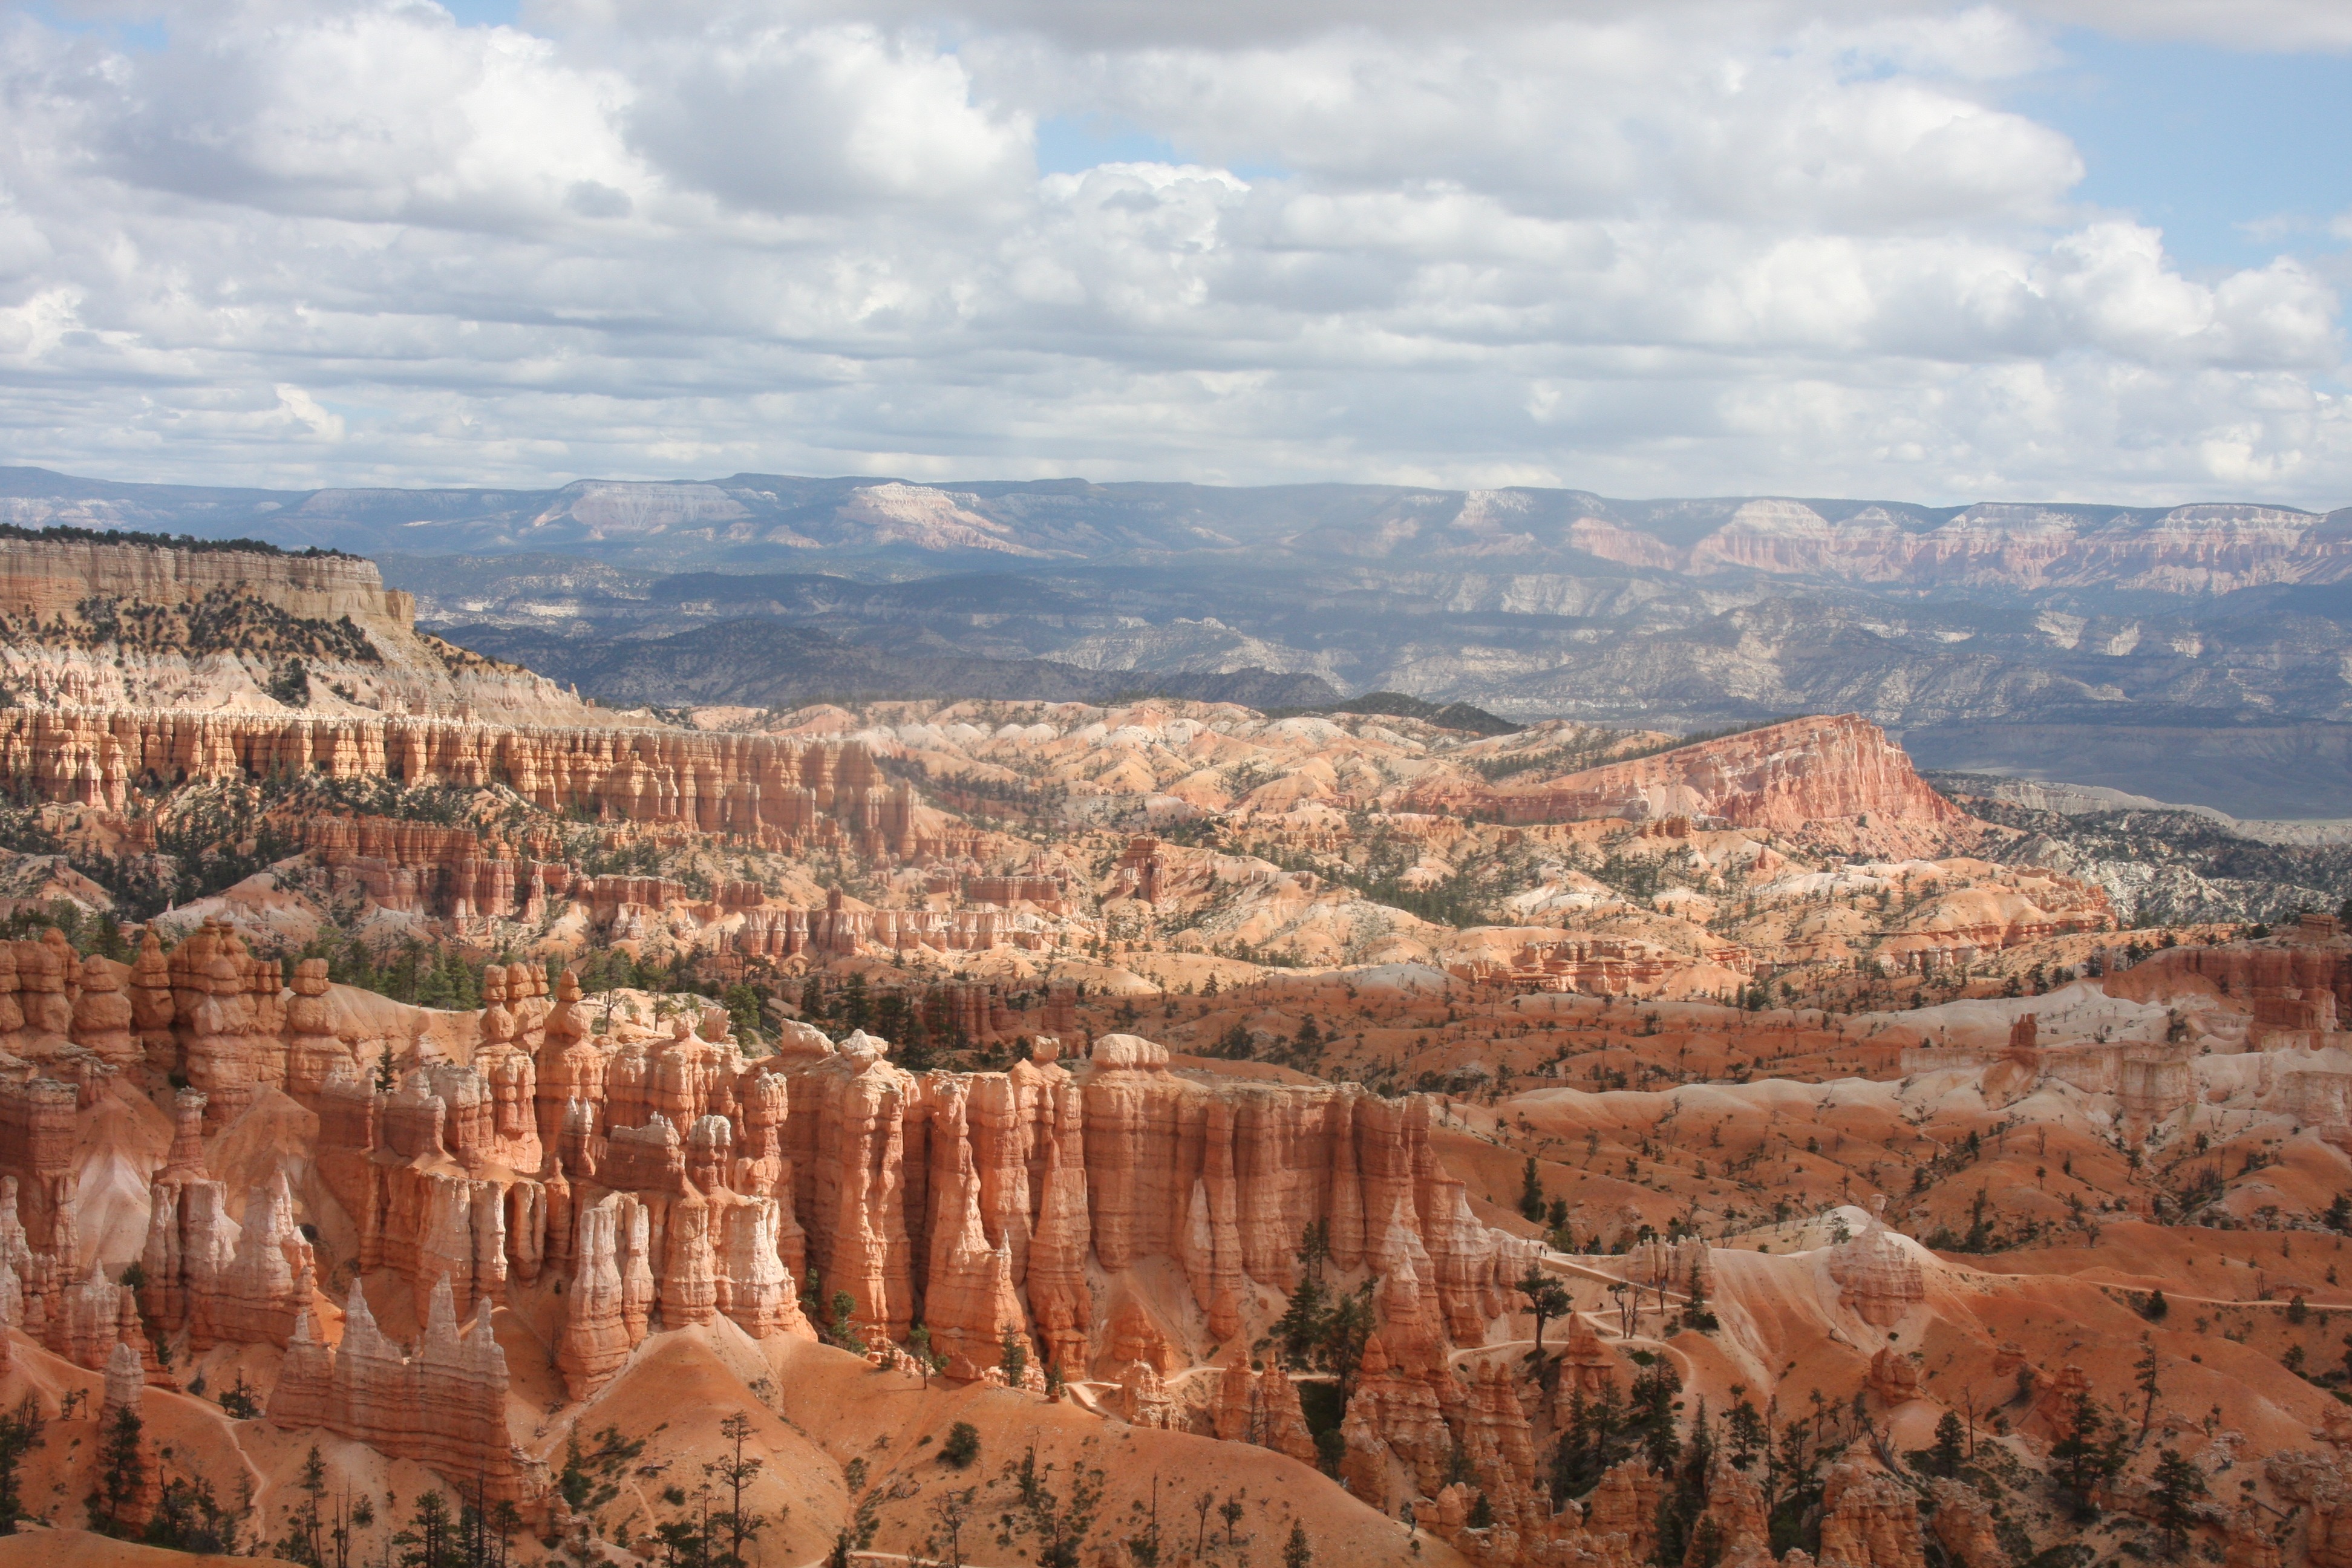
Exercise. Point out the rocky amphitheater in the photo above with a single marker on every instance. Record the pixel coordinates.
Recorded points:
(442, 1121)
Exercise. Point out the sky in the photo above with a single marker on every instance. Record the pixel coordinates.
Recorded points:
(2061, 249)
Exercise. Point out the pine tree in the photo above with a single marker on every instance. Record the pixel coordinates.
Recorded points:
(1531, 1191)
(1695, 1311)
(1546, 1299)
(1296, 1552)
(1300, 1327)
(189, 1518)
(918, 1346)
(2081, 1458)
(430, 1539)
(2176, 1486)
(843, 1330)
(20, 1433)
(962, 1446)
(121, 1472)
(2146, 1367)
(733, 1472)
(1944, 1459)
(1346, 1332)
(300, 1543)
(1013, 1358)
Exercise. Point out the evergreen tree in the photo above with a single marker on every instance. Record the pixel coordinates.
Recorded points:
(1297, 1552)
(1951, 1447)
(962, 1446)
(1750, 1434)
(1653, 1409)
(918, 1346)
(2146, 1368)
(1013, 1357)
(1595, 1438)
(2176, 1486)
(189, 1518)
(734, 1473)
(20, 1433)
(121, 1472)
(430, 1539)
(2081, 1458)
(1679, 1508)
(1301, 1326)
(843, 1330)
(1531, 1191)
(1695, 1314)
(304, 1525)
(1546, 1299)
(1346, 1332)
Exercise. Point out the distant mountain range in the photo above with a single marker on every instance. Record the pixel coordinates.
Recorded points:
(2100, 645)
(776, 518)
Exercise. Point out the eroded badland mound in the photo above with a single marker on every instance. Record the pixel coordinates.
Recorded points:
(437, 1117)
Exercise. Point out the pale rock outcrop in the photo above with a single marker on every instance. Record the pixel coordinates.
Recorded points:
(1878, 1277)
(1894, 1377)
(1144, 1397)
(1735, 1512)
(222, 1281)
(1260, 1407)
(1782, 777)
(1869, 1519)
(1403, 1410)
(756, 1290)
(443, 1407)
(785, 793)
(101, 1016)
(125, 1391)
(595, 1340)
(126, 1385)
(306, 1379)
(667, 1181)
(969, 1301)
(1963, 1525)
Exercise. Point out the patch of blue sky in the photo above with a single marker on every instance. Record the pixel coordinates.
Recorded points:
(140, 34)
(2237, 156)
(485, 13)
(1072, 144)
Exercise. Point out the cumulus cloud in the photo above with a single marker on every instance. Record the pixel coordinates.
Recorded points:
(1709, 245)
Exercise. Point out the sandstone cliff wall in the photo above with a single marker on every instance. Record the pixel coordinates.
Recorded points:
(1783, 777)
(740, 783)
(1034, 1201)
(86, 623)
(45, 578)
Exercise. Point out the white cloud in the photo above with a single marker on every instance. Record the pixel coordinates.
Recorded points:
(1709, 247)
(838, 117)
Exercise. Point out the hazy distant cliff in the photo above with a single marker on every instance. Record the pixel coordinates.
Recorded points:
(98, 622)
